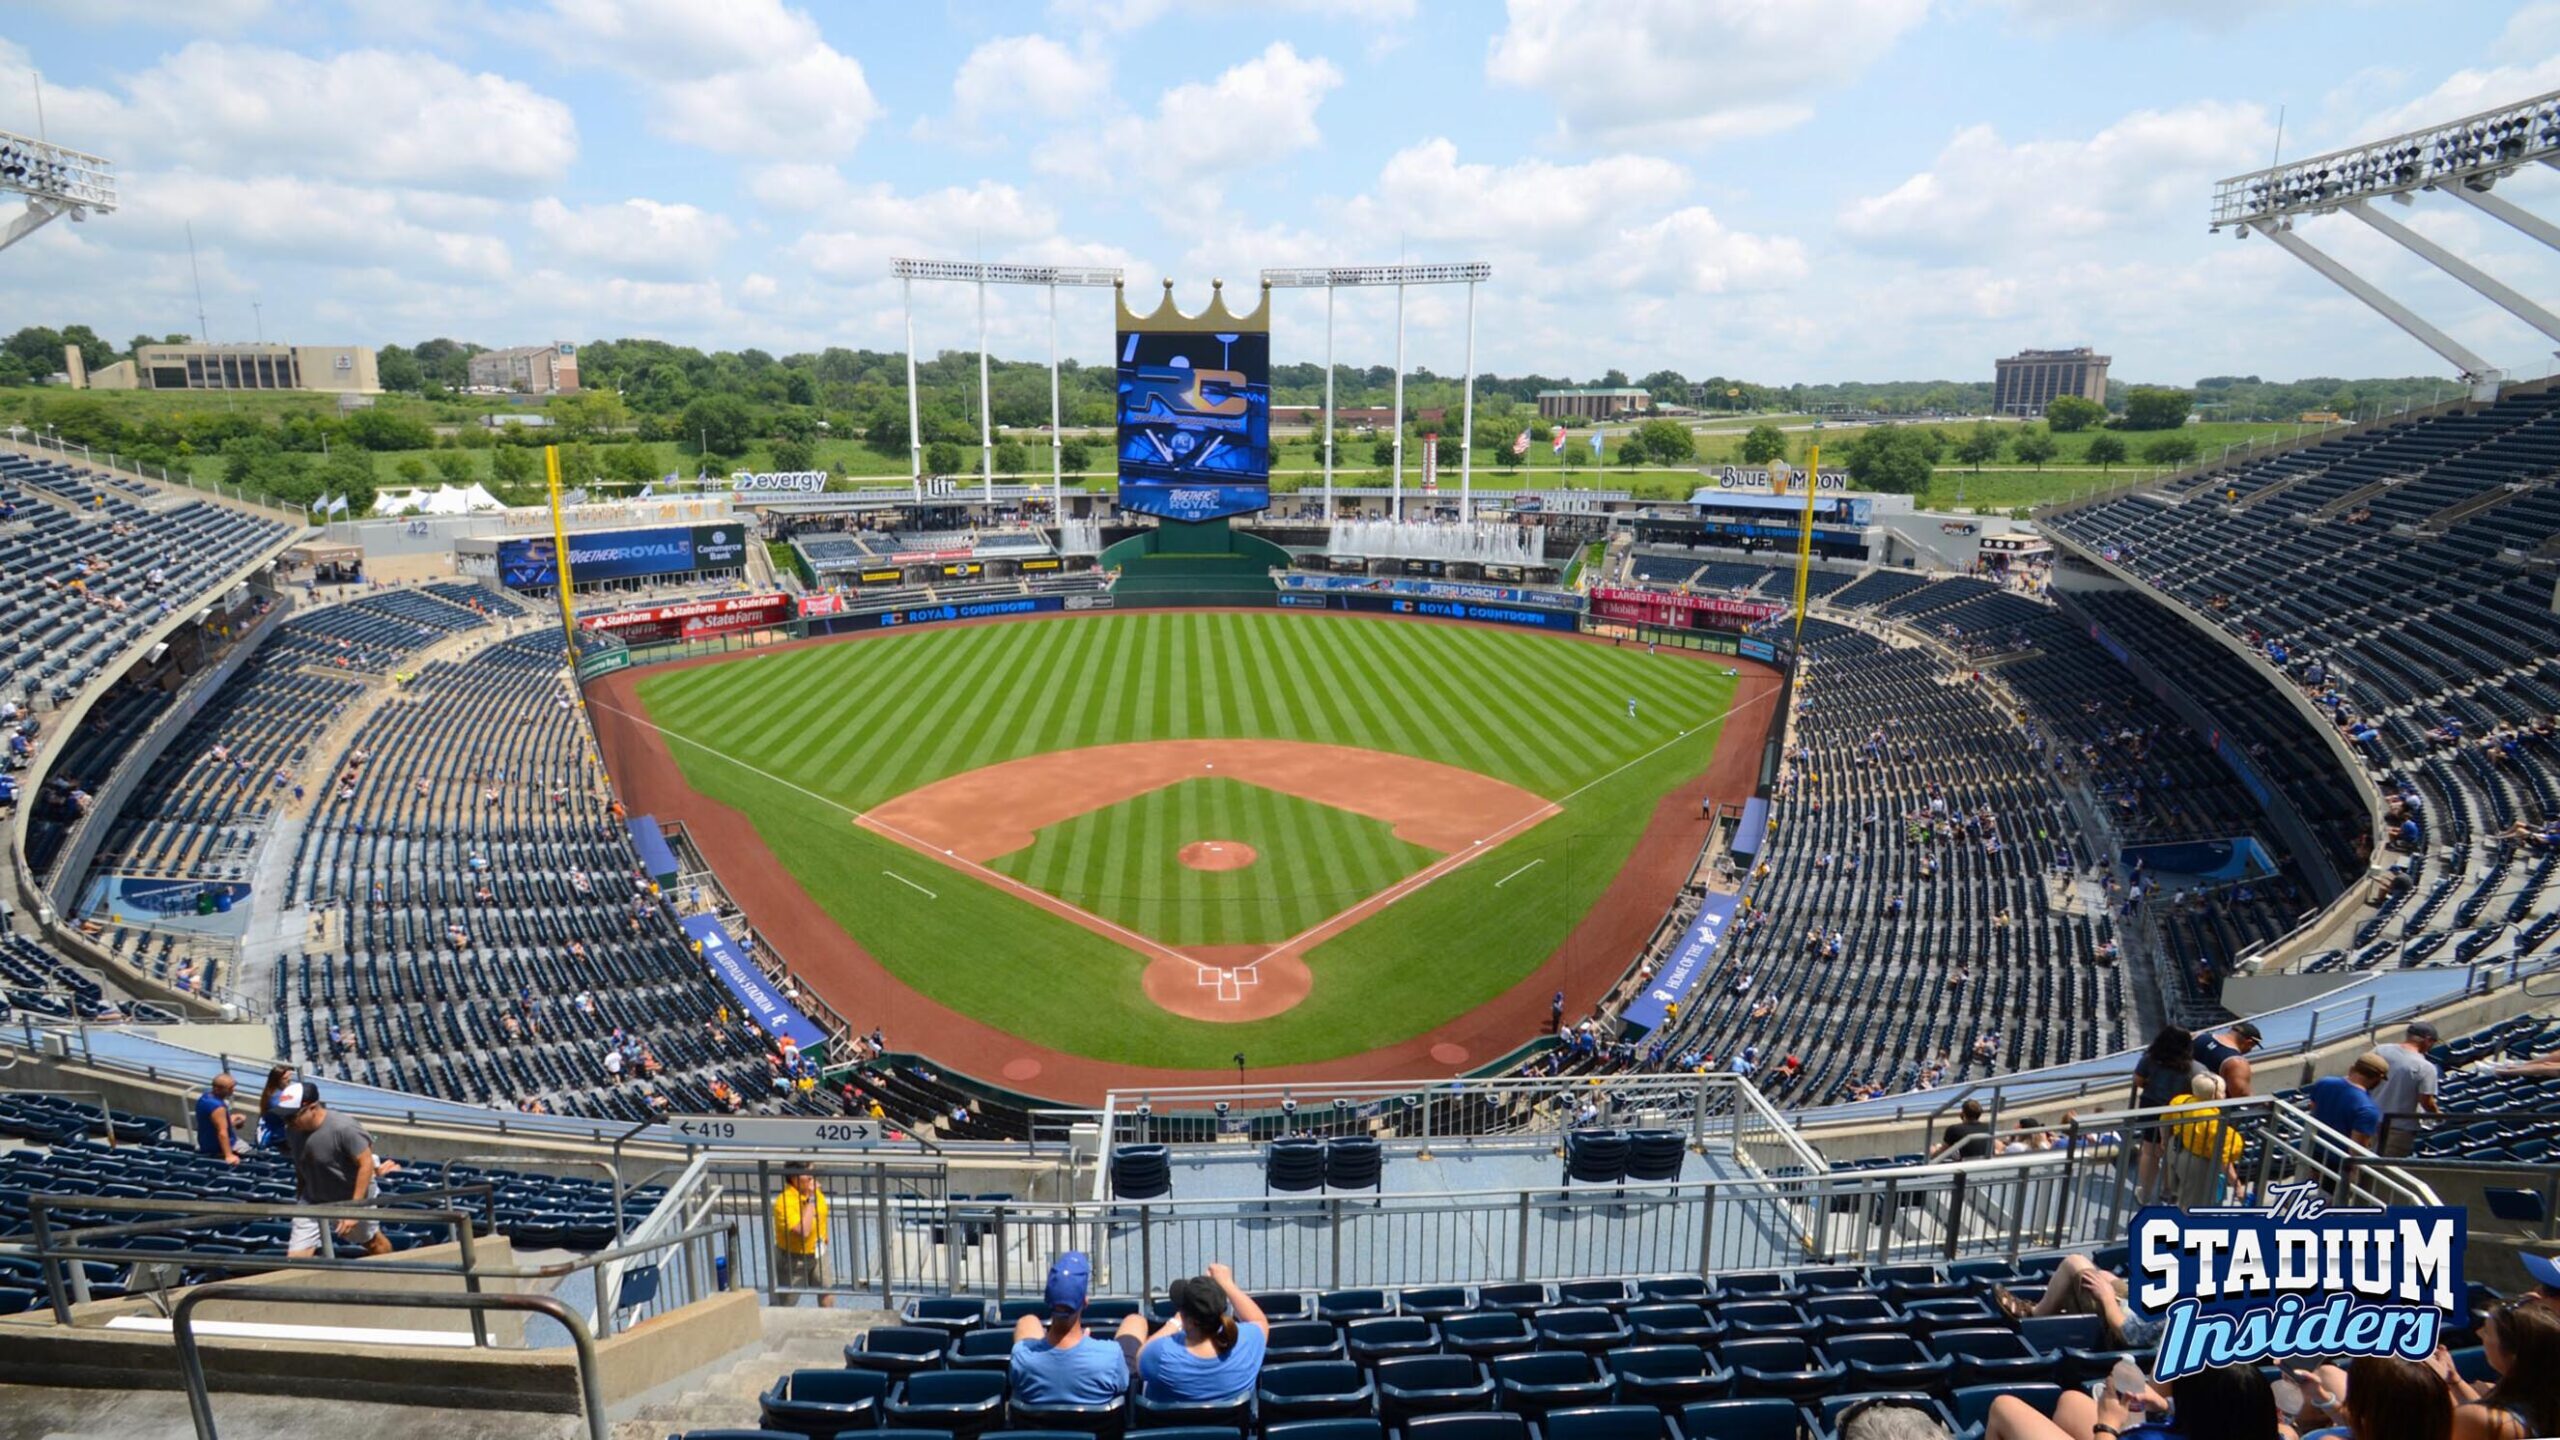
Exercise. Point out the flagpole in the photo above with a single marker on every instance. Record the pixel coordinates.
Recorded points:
(1804, 542)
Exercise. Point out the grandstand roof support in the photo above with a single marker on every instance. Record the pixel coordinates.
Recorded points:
(2460, 269)
(2480, 373)
(2509, 211)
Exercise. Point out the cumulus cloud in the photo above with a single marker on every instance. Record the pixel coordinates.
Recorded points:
(1683, 72)
(1252, 113)
(744, 77)
(1027, 75)
(638, 237)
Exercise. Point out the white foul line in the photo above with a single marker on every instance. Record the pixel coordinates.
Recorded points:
(910, 884)
(1516, 874)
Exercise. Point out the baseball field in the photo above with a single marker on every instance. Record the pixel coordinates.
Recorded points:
(1160, 839)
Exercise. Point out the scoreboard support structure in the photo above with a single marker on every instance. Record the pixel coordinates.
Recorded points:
(982, 275)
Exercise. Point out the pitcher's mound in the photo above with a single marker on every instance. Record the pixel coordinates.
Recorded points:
(1216, 855)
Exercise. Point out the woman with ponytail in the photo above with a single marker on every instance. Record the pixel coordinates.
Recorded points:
(1211, 1349)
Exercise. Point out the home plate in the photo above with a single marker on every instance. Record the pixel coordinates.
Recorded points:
(1230, 983)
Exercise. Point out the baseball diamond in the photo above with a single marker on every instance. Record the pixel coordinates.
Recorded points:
(996, 817)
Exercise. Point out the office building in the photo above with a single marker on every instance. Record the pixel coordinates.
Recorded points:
(2028, 381)
(335, 369)
(1596, 404)
(527, 369)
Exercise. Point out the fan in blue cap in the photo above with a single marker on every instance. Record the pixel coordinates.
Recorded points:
(1056, 1361)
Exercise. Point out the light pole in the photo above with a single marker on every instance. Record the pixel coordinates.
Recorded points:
(981, 275)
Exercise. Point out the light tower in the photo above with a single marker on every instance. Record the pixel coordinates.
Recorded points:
(1334, 277)
(970, 272)
(55, 180)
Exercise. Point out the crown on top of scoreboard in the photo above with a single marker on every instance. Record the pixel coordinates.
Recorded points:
(1167, 318)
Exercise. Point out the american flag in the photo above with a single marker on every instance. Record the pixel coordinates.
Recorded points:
(1521, 445)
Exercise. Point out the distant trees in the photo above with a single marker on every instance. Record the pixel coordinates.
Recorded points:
(942, 458)
(2069, 414)
(1667, 442)
(1074, 456)
(1981, 443)
(718, 425)
(379, 428)
(2170, 450)
(2105, 451)
(2153, 407)
(1898, 459)
(2035, 445)
(1762, 444)
(789, 454)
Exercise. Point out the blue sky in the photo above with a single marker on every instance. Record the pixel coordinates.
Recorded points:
(1783, 189)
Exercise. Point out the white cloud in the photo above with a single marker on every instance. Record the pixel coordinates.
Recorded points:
(315, 223)
(2150, 170)
(371, 116)
(867, 225)
(1252, 113)
(224, 15)
(2221, 15)
(1682, 72)
(641, 237)
(1123, 15)
(1028, 75)
(745, 77)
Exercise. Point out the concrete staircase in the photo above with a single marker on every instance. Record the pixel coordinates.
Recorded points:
(724, 1396)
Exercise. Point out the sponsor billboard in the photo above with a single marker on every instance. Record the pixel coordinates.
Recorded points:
(1685, 966)
(777, 482)
(597, 555)
(1369, 602)
(1194, 414)
(1667, 608)
(828, 603)
(756, 994)
(715, 547)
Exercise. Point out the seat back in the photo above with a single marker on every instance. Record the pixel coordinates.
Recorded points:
(1107, 1420)
(1489, 1425)
(1313, 1389)
(1293, 1340)
(1596, 1157)
(1141, 1172)
(1432, 1302)
(1355, 1163)
(1292, 1165)
(1521, 1296)
(1765, 1418)
(1655, 1155)
(1331, 1427)
(1604, 1422)
(1234, 1412)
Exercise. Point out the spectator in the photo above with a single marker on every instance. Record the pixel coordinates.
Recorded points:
(272, 1122)
(2204, 1170)
(2235, 1402)
(2386, 1398)
(1968, 1139)
(2344, 1103)
(2407, 1089)
(2225, 1053)
(1204, 1353)
(1058, 1362)
(800, 1235)
(2158, 1077)
(333, 1164)
(2521, 1342)
(1889, 1417)
(214, 1134)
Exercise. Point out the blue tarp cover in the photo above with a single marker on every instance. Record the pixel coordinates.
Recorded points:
(651, 842)
(1754, 827)
(763, 1003)
(1688, 961)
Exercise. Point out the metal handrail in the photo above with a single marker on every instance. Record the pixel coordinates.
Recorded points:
(199, 1393)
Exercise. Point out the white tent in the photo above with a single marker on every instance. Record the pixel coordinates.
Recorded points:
(442, 500)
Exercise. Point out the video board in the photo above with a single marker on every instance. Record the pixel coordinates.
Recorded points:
(1195, 422)
(533, 564)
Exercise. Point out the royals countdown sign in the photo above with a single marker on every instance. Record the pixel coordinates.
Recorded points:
(1688, 962)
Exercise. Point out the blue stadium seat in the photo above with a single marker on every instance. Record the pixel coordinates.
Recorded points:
(1607, 1294)
(1141, 1172)
(822, 1402)
(1411, 1385)
(2081, 1341)
(1663, 1288)
(1990, 1356)
(1293, 1340)
(1372, 1340)
(1492, 1425)
(952, 1313)
(1882, 1362)
(1595, 1157)
(1525, 1297)
(1235, 1413)
(1674, 1323)
(1331, 1427)
(1608, 1422)
(1972, 1407)
(1313, 1390)
(1344, 1306)
(1588, 1330)
(1755, 1419)
(1655, 1156)
(1851, 1314)
(1106, 1421)
(1355, 1163)
(1486, 1335)
(1544, 1380)
(1666, 1377)
(966, 1403)
(898, 1349)
(1435, 1302)
(1292, 1167)
(987, 1349)
(1752, 1319)
(1780, 1365)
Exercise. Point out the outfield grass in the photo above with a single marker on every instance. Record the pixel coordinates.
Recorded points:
(1121, 862)
(798, 740)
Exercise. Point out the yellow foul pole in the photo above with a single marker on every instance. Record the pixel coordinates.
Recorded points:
(1804, 542)
(560, 553)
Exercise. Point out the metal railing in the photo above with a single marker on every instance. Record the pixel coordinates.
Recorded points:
(64, 1253)
(199, 1392)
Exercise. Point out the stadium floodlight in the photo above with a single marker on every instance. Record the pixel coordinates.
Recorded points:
(2462, 158)
(982, 275)
(1333, 277)
(56, 181)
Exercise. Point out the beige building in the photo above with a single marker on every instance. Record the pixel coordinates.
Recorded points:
(527, 369)
(2028, 381)
(330, 369)
(1593, 404)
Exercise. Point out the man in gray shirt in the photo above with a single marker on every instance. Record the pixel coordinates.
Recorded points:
(2408, 1087)
(333, 1164)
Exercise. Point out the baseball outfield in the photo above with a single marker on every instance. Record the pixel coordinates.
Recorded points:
(1156, 839)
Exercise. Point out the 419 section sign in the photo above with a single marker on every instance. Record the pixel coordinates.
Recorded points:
(765, 1132)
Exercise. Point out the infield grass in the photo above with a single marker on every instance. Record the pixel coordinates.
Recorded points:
(1122, 862)
(799, 740)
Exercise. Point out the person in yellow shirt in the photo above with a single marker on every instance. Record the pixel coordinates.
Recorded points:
(800, 1235)
(2208, 1172)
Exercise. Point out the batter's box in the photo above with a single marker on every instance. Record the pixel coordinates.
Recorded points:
(1230, 984)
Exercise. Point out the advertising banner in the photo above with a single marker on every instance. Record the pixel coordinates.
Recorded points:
(777, 482)
(829, 603)
(597, 555)
(1436, 589)
(1761, 650)
(1663, 607)
(1687, 963)
(773, 607)
(774, 610)
(1375, 603)
(716, 547)
(758, 996)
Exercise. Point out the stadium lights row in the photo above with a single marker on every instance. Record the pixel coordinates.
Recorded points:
(974, 271)
(1328, 277)
(2472, 152)
(47, 171)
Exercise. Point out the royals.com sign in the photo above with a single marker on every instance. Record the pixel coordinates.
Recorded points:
(623, 554)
